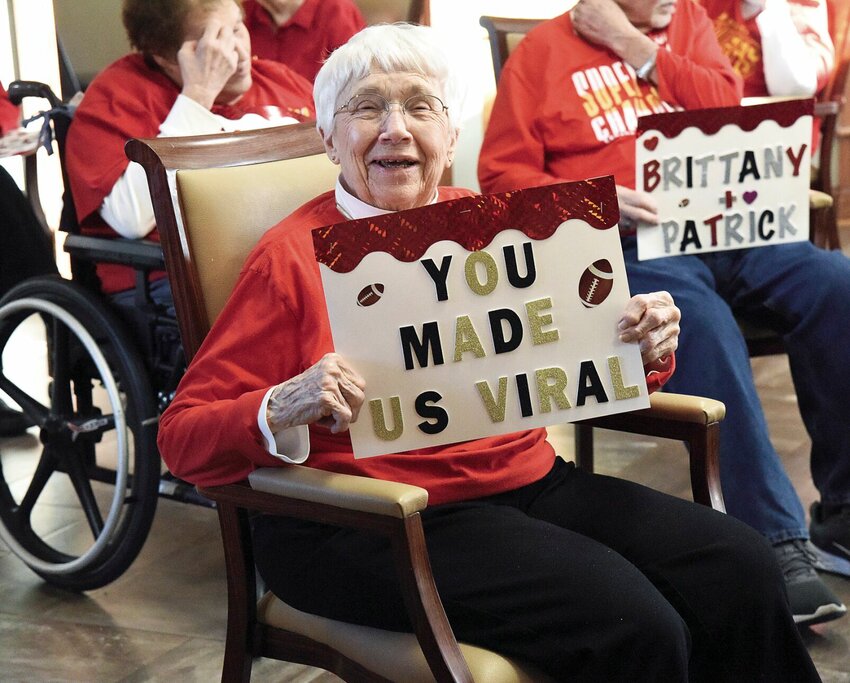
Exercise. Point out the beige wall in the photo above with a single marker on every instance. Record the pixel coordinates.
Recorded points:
(92, 33)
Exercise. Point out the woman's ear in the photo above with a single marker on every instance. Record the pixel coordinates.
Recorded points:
(450, 151)
(330, 149)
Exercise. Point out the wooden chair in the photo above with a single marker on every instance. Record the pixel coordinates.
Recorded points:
(213, 197)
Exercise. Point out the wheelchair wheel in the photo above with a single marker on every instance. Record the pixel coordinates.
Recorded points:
(79, 510)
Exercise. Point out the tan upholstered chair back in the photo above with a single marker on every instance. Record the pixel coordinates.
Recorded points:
(232, 207)
(233, 187)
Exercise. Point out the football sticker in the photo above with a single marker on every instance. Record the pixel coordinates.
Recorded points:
(595, 283)
(370, 294)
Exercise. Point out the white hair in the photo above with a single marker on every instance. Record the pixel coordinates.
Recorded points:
(389, 48)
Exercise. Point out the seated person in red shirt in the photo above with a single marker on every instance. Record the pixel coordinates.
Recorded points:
(300, 33)
(779, 47)
(587, 577)
(25, 249)
(192, 74)
(567, 106)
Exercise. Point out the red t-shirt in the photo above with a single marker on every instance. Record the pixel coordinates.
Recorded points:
(10, 115)
(273, 327)
(740, 40)
(316, 29)
(567, 109)
(129, 99)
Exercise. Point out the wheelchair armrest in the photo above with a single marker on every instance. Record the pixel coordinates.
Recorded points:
(143, 254)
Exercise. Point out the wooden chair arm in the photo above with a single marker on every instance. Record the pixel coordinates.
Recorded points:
(348, 491)
(692, 419)
(666, 412)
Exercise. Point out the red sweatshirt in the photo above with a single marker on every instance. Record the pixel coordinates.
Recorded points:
(274, 326)
(567, 109)
(10, 115)
(128, 100)
(316, 29)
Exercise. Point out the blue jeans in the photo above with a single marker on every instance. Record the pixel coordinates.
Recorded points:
(803, 293)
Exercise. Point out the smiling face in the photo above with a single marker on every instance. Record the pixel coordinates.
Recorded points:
(394, 161)
(648, 15)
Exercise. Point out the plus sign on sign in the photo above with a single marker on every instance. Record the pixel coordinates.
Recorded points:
(727, 178)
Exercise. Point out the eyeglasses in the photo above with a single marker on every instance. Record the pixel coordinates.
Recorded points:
(373, 107)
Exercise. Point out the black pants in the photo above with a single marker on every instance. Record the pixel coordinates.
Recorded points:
(25, 249)
(591, 578)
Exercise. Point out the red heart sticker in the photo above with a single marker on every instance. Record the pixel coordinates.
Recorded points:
(651, 143)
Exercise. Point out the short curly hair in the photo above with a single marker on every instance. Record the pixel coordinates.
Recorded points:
(157, 27)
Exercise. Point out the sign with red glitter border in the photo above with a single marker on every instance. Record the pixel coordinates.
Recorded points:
(725, 178)
(483, 315)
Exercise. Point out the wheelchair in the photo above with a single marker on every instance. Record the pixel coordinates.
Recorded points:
(93, 385)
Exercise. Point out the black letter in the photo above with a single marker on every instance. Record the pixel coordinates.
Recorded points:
(749, 167)
(500, 344)
(410, 342)
(690, 235)
(432, 412)
(439, 275)
(766, 216)
(589, 383)
(510, 266)
(524, 396)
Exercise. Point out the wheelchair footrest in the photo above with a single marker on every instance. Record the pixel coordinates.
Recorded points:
(182, 491)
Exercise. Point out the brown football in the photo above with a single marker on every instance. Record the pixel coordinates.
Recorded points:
(595, 283)
(370, 294)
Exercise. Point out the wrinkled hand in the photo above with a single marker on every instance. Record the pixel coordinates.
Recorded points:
(652, 320)
(603, 22)
(636, 206)
(329, 393)
(208, 63)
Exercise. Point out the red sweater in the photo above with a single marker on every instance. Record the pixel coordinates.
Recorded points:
(128, 100)
(10, 115)
(567, 109)
(274, 326)
(316, 29)
(740, 40)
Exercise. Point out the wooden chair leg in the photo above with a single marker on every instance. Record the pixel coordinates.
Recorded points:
(584, 446)
(705, 474)
(241, 596)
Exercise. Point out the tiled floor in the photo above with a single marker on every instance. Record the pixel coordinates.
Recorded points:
(164, 619)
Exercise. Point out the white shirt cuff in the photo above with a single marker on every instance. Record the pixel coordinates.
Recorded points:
(290, 445)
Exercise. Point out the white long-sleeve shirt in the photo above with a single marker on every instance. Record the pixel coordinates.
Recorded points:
(127, 208)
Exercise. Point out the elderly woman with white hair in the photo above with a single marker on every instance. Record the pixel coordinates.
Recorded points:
(585, 576)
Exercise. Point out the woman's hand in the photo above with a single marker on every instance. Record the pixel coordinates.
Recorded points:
(329, 393)
(652, 320)
(636, 206)
(207, 64)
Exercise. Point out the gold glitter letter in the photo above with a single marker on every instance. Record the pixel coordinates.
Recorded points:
(495, 408)
(620, 390)
(482, 257)
(536, 321)
(556, 390)
(379, 424)
(466, 339)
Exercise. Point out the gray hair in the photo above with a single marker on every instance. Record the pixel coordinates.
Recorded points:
(389, 47)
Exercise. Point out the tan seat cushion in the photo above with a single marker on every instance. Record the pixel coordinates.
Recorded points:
(393, 655)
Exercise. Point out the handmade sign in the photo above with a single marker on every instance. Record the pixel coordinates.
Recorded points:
(483, 315)
(728, 178)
